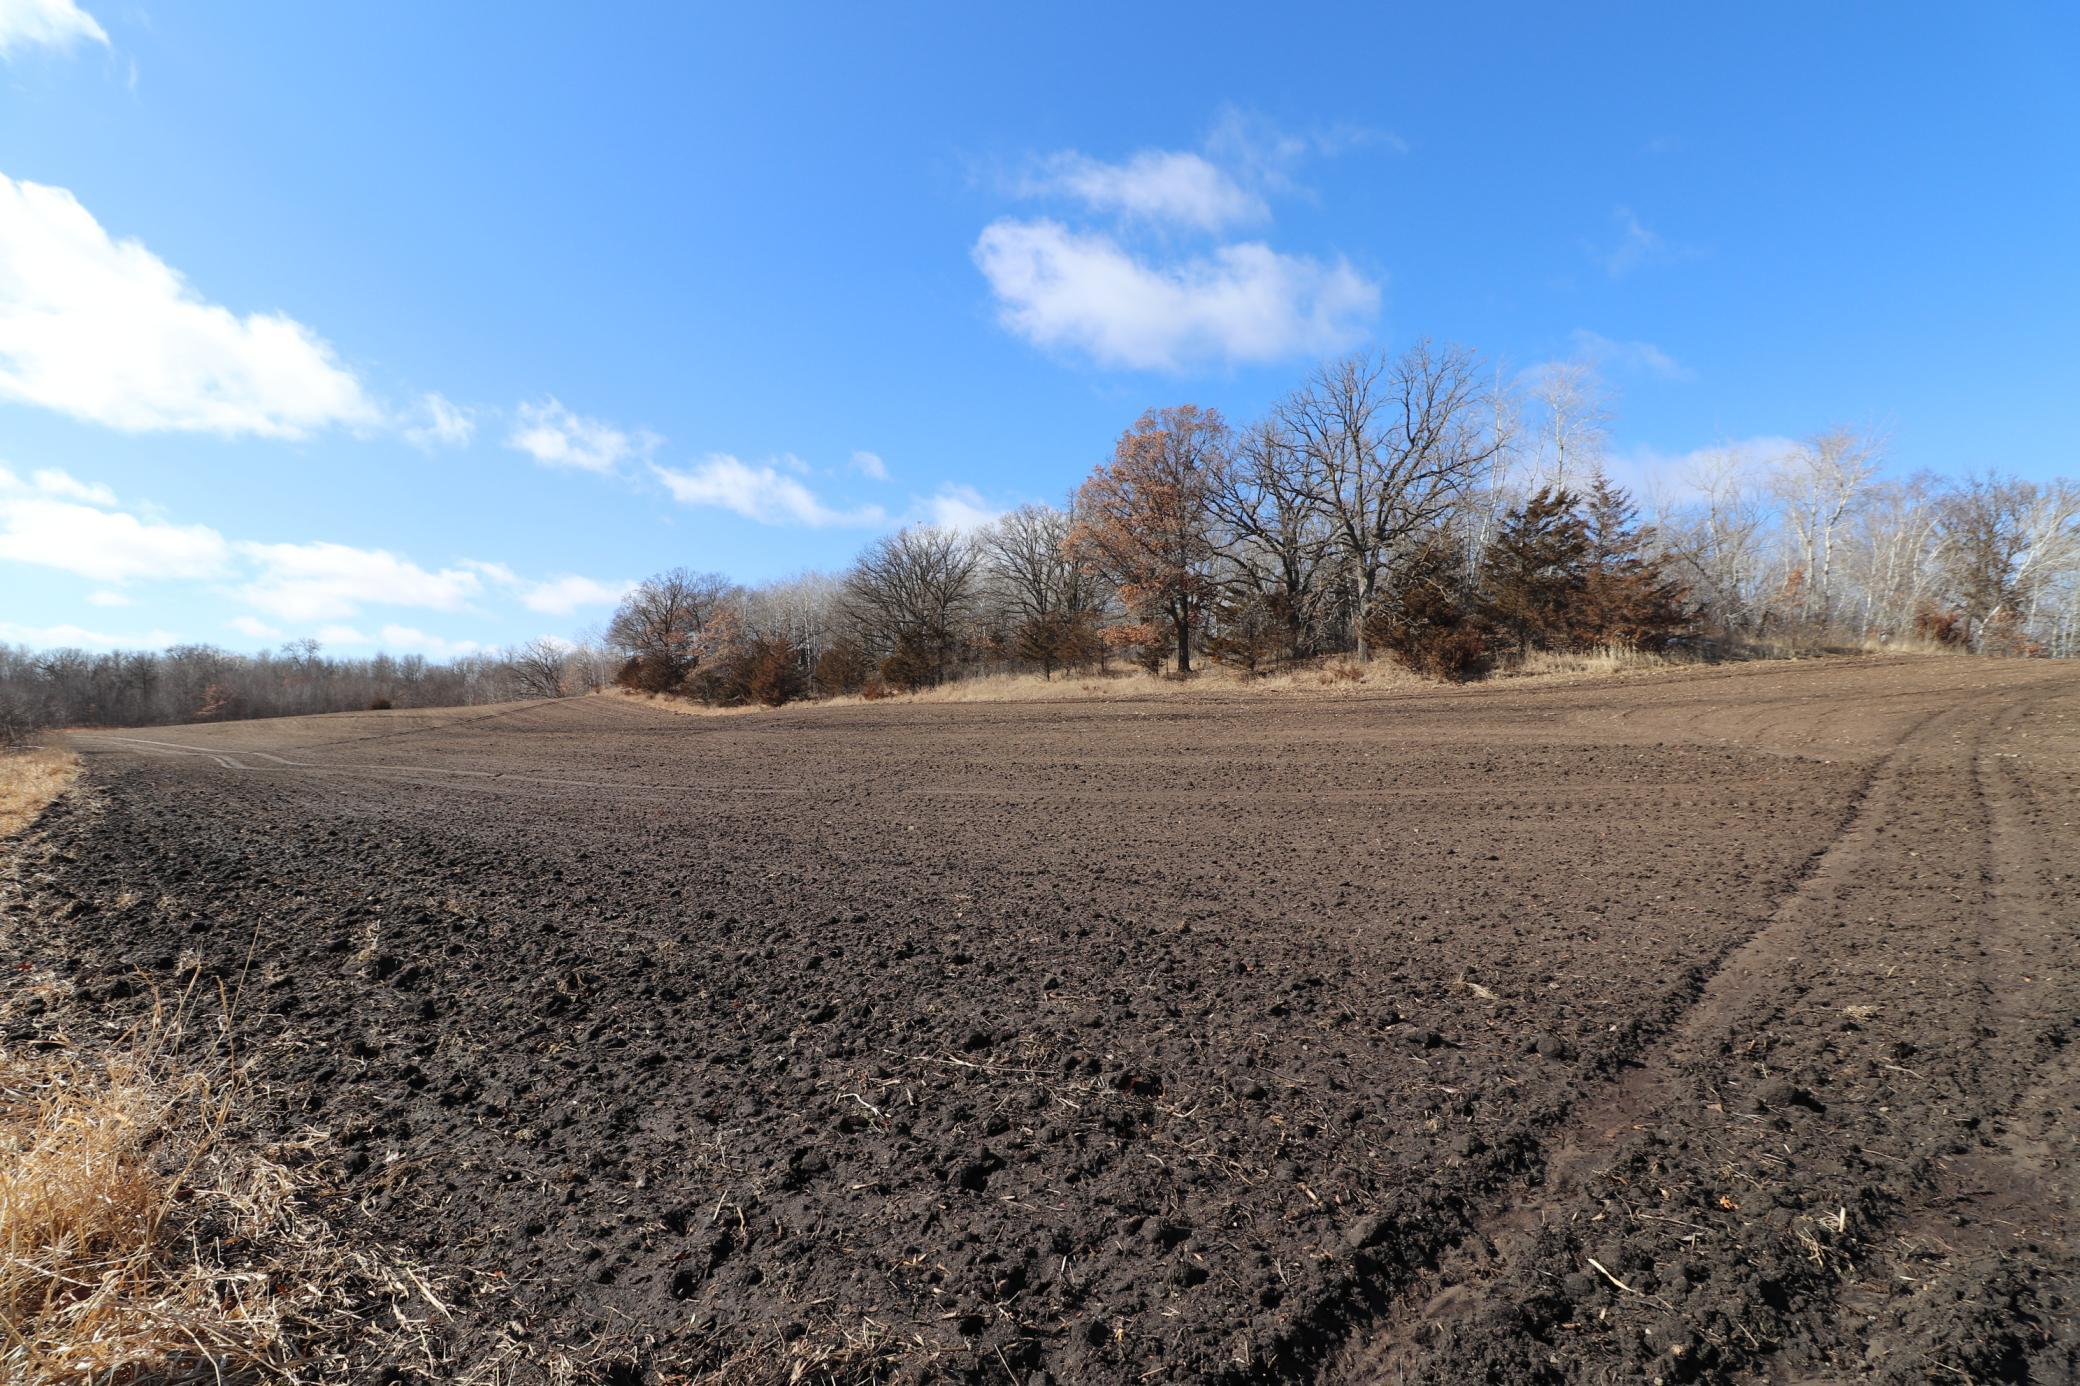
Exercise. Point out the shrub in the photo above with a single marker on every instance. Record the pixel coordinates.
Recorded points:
(842, 668)
(1934, 624)
(641, 675)
(1428, 624)
(379, 705)
(772, 671)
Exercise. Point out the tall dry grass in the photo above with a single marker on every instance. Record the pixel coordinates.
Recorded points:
(30, 779)
(145, 1236)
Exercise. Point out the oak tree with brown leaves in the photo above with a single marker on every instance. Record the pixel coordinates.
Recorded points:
(1144, 520)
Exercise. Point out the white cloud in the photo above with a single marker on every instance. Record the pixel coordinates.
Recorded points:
(1665, 478)
(869, 464)
(438, 422)
(1600, 350)
(1155, 185)
(107, 598)
(50, 23)
(760, 493)
(342, 635)
(1637, 245)
(556, 437)
(562, 595)
(960, 507)
(1061, 289)
(323, 581)
(65, 636)
(53, 482)
(255, 627)
(412, 638)
(105, 545)
(104, 330)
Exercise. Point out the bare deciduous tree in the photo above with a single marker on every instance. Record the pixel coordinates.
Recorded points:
(1388, 448)
(911, 593)
(661, 623)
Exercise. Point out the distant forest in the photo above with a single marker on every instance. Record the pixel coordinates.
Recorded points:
(1409, 507)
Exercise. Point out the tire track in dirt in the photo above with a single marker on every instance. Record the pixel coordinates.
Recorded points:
(1996, 1224)
(1492, 1245)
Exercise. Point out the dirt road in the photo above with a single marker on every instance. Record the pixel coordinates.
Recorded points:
(1704, 1027)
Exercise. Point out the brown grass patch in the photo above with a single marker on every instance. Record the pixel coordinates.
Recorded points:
(143, 1237)
(29, 780)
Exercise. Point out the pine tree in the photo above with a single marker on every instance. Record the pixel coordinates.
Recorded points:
(1627, 597)
(1535, 568)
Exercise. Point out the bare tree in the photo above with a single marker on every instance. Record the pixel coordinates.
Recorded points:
(2003, 545)
(1573, 423)
(661, 623)
(538, 668)
(1388, 449)
(1272, 539)
(1818, 484)
(1047, 600)
(911, 593)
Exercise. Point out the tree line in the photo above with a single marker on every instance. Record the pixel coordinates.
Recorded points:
(1415, 507)
(1420, 507)
(200, 683)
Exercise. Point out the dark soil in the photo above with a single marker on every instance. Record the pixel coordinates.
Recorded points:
(1704, 1027)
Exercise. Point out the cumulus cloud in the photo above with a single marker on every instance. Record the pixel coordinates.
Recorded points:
(960, 507)
(762, 493)
(104, 545)
(46, 24)
(870, 465)
(103, 330)
(438, 422)
(325, 581)
(1065, 290)
(1155, 185)
(1130, 291)
(107, 598)
(557, 437)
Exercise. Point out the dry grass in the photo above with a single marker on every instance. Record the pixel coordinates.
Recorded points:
(142, 1238)
(30, 779)
(1603, 661)
(1317, 677)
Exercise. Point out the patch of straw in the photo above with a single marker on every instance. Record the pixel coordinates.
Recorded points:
(145, 1237)
(29, 780)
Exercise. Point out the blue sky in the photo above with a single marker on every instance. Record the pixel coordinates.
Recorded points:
(432, 325)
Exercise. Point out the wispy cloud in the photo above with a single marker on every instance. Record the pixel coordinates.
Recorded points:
(1171, 187)
(556, 437)
(1637, 245)
(46, 24)
(438, 422)
(870, 465)
(67, 636)
(1642, 357)
(761, 492)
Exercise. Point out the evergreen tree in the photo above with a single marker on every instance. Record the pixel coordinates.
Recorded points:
(1627, 597)
(1535, 569)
